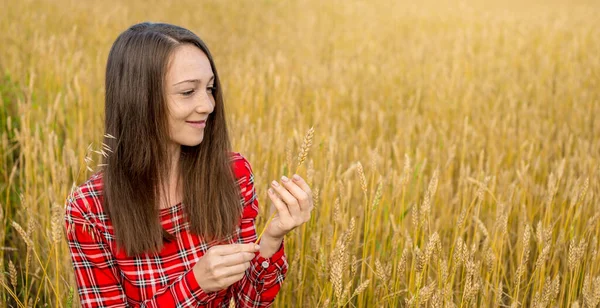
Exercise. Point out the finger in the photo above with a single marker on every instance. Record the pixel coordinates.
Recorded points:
(236, 258)
(282, 209)
(290, 201)
(223, 250)
(235, 269)
(302, 184)
(229, 280)
(298, 193)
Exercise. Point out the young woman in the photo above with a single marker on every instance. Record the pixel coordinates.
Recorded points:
(169, 219)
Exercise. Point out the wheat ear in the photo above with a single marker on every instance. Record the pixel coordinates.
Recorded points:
(306, 144)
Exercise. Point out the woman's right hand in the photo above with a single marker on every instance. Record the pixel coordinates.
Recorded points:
(223, 265)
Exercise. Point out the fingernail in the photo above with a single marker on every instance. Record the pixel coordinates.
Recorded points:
(284, 178)
(256, 247)
(275, 183)
(296, 177)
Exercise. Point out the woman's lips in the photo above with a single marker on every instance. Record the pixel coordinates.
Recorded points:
(197, 124)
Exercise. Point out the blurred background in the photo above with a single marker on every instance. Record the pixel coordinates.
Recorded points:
(455, 159)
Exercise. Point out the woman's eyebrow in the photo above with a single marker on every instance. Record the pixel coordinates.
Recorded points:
(194, 80)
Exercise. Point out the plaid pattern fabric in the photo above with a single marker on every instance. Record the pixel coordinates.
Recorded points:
(107, 278)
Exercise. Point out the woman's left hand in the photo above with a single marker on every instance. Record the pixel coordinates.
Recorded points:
(294, 201)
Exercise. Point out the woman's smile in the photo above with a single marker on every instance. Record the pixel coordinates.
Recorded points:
(197, 124)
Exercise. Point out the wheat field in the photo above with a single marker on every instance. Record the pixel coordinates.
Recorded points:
(455, 159)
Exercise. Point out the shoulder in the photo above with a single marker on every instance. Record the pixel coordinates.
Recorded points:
(241, 167)
(245, 179)
(84, 202)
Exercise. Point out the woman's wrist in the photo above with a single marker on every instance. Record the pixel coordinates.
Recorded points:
(269, 246)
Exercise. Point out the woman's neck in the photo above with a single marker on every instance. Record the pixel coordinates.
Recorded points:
(173, 187)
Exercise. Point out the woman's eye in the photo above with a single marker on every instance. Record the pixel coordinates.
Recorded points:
(212, 89)
(188, 93)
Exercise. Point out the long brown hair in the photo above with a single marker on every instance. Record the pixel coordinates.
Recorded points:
(137, 134)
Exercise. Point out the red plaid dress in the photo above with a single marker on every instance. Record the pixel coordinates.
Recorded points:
(106, 278)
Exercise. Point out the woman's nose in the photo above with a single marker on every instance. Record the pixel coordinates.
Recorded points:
(205, 104)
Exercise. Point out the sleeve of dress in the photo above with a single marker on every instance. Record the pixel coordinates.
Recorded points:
(97, 272)
(265, 276)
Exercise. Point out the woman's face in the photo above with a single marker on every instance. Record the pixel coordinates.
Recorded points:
(189, 93)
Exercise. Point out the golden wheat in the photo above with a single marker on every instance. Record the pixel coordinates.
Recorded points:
(452, 157)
